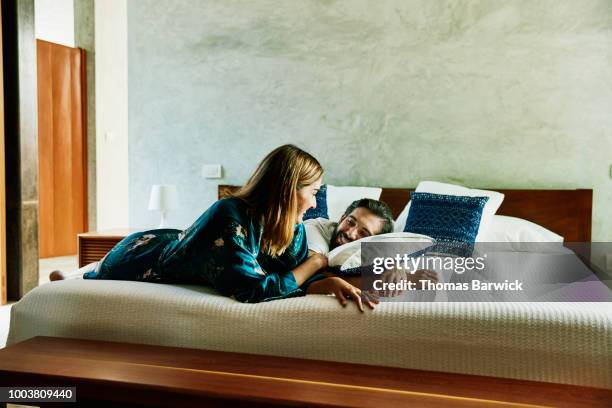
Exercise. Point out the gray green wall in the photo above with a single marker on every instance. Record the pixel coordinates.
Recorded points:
(514, 94)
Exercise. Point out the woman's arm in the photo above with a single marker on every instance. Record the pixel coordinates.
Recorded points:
(393, 276)
(314, 263)
(249, 280)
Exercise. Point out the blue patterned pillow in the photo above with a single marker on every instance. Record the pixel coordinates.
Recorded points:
(321, 210)
(453, 221)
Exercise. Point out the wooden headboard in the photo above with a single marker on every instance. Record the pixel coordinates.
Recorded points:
(565, 212)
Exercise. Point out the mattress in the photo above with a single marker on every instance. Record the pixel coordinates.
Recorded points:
(557, 342)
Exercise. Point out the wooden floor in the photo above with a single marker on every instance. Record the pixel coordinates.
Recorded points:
(118, 373)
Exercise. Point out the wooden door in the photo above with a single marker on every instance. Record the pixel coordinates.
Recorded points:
(62, 148)
(2, 181)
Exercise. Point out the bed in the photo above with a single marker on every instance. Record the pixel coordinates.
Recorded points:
(559, 342)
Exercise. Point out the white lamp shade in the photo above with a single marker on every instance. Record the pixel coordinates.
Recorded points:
(163, 197)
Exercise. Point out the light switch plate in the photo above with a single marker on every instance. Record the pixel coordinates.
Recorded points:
(212, 171)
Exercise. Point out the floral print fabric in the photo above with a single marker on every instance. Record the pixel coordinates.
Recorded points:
(222, 249)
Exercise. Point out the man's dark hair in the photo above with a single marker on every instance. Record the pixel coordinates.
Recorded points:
(378, 208)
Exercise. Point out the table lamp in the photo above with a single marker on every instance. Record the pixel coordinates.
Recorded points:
(163, 198)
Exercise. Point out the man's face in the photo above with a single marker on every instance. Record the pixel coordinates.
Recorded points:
(360, 223)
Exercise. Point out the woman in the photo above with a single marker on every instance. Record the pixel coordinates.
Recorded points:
(251, 246)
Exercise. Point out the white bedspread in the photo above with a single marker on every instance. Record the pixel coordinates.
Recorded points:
(557, 342)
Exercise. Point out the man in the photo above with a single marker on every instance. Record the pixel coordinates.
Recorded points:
(363, 218)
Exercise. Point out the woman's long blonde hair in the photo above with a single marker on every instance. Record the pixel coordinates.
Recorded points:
(271, 193)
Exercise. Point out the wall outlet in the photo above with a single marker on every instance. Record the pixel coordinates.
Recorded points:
(212, 171)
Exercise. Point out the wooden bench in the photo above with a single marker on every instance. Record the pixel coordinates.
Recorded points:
(139, 375)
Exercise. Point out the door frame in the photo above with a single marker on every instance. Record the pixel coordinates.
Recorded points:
(2, 181)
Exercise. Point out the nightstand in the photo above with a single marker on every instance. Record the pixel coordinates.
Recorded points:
(92, 246)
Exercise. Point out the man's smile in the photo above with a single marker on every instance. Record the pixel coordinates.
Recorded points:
(343, 239)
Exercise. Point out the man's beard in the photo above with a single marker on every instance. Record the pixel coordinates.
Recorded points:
(334, 238)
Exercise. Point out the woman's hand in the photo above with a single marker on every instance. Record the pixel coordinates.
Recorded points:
(343, 291)
(317, 259)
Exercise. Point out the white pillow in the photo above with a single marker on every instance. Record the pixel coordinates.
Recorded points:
(348, 256)
(339, 198)
(319, 232)
(434, 187)
(516, 230)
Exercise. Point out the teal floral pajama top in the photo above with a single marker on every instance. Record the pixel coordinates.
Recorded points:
(220, 249)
